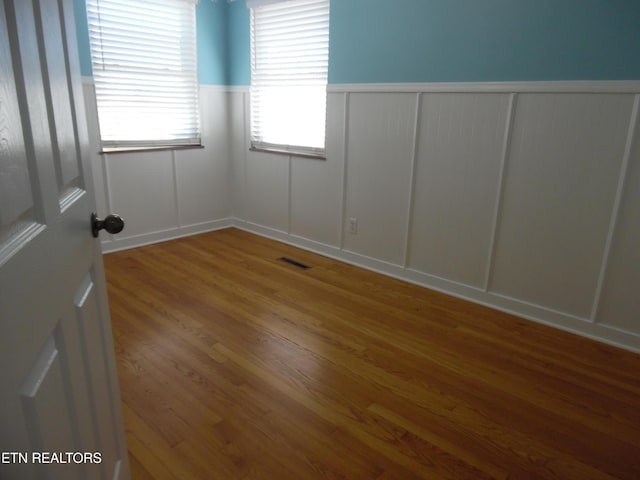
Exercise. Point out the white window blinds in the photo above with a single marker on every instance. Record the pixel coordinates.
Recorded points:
(289, 60)
(145, 71)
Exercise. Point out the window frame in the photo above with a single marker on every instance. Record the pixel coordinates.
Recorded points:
(152, 87)
(258, 142)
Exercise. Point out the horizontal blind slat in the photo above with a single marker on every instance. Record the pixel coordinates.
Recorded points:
(145, 71)
(289, 60)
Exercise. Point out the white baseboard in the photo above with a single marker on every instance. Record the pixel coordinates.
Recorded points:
(115, 244)
(536, 313)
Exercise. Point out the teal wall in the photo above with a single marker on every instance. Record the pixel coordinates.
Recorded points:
(211, 38)
(387, 41)
(82, 32)
(239, 48)
(483, 40)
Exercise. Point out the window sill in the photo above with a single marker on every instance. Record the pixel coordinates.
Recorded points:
(289, 153)
(109, 151)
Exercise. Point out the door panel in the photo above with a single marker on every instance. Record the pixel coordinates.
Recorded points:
(33, 108)
(48, 406)
(58, 102)
(59, 386)
(16, 199)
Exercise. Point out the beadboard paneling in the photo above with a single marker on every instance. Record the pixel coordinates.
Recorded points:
(237, 138)
(452, 189)
(506, 195)
(165, 194)
(380, 142)
(459, 157)
(560, 183)
(620, 301)
(267, 201)
(202, 186)
(202, 175)
(316, 185)
(142, 191)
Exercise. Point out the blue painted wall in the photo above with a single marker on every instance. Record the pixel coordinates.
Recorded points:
(82, 32)
(483, 40)
(211, 38)
(387, 41)
(239, 47)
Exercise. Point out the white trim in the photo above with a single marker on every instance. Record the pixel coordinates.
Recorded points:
(577, 325)
(582, 326)
(289, 74)
(246, 143)
(135, 241)
(289, 193)
(572, 86)
(506, 147)
(552, 318)
(127, 90)
(616, 208)
(176, 193)
(236, 88)
(345, 172)
(412, 181)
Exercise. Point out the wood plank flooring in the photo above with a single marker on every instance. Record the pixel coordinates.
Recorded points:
(236, 365)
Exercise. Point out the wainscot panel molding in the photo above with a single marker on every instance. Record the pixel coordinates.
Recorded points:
(559, 190)
(169, 193)
(619, 302)
(458, 171)
(577, 86)
(379, 156)
(522, 196)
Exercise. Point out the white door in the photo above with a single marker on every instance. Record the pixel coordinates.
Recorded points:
(59, 398)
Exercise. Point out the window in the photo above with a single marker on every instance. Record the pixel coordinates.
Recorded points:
(289, 59)
(145, 72)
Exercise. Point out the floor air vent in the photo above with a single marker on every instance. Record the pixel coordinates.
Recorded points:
(294, 263)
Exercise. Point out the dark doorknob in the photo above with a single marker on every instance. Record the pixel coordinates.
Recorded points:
(111, 223)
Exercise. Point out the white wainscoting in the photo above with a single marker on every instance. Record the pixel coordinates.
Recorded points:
(379, 160)
(559, 188)
(522, 196)
(165, 194)
(459, 162)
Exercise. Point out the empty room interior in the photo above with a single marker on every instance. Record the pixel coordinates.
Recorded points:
(435, 277)
(487, 150)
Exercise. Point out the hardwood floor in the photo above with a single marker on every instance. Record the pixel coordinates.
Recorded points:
(236, 365)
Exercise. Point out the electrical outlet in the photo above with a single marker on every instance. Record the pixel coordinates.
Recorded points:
(353, 226)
